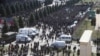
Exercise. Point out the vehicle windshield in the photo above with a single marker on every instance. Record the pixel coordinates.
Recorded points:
(65, 37)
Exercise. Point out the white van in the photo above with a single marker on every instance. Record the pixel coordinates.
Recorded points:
(23, 38)
(28, 31)
(65, 37)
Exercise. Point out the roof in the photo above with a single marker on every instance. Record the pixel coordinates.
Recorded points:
(34, 29)
(10, 33)
(86, 36)
(20, 35)
(65, 35)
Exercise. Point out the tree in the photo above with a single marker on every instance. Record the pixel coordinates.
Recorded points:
(47, 2)
(21, 7)
(2, 10)
(31, 5)
(31, 20)
(53, 8)
(11, 28)
(17, 7)
(37, 16)
(20, 22)
(48, 10)
(28, 5)
(56, 6)
(45, 12)
(8, 10)
(25, 6)
(15, 26)
(41, 13)
(13, 8)
(5, 27)
(36, 3)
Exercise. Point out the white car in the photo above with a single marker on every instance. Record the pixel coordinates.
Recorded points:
(65, 37)
(59, 44)
(23, 38)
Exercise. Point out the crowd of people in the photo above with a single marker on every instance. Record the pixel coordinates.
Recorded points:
(36, 48)
(52, 26)
(65, 17)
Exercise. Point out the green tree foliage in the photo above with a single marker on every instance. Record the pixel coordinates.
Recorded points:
(13, 8)
(21, 7)
(56, 7)
(15, 26)
(5, 27)
(36, 3)
(28, 5)
(32, 5)
(45, 12)
(71, 2)
(41, 13)
(48, 9)
(8, 10)
(20, 22)
(47, 2)
(17, 7)
(11, 28)
(37, 16)
(25, 6)
(53, 8)
(2, 10)
(31, 20)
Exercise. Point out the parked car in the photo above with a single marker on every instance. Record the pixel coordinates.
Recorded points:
(8, 37)
(65, 37)
(23, 38)
(58, 44)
